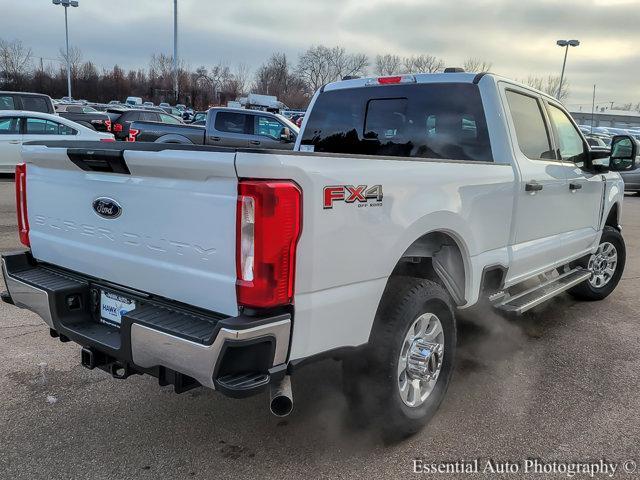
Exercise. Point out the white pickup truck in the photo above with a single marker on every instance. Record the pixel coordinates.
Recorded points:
(405, 199)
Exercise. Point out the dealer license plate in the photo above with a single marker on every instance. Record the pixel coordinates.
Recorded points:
(113, 307)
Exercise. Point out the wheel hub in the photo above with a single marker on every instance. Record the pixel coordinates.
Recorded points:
(602, 265)
(421, 358)
(424, 360)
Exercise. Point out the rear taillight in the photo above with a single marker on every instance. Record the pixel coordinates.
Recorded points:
(133, 133)
(21, 203)
(269, 222)
(108, 125)
(117, 127)
(107, 139)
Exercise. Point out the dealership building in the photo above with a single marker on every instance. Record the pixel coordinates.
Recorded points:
(608, 118)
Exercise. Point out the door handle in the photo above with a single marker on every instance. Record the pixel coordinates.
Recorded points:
(14, 142)
(533, 187)
(575, 186)
(215, 139)
(254, 142)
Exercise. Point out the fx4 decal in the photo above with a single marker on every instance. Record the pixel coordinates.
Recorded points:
(363, 194)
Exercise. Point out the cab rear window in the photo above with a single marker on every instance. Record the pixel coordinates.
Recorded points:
(442, 121)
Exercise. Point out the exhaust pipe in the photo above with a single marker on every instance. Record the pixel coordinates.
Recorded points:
(281, 397)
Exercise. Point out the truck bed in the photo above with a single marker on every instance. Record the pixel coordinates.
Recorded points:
(151, 131)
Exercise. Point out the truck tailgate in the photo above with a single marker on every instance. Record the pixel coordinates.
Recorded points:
(174, 236)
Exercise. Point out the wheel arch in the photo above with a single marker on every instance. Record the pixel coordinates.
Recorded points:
(440, 255)
(612, 218)
(174, 138)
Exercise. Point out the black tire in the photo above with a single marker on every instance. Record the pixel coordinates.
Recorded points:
(585, 290)
(371, 379)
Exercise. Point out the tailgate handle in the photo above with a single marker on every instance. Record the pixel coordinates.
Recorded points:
(89, 160)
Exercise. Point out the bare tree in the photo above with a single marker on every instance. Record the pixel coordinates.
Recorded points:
(275, 77)
(241, 75)
(387, 64)
(347, 64)
(476, 65)
(423, 64)
(272, 77)
(549, 85)
(319, 65)
(75, 59)
(315, 67)
(15, 61)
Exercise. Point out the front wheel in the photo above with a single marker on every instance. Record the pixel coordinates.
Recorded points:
(606, 266)
(402, 378)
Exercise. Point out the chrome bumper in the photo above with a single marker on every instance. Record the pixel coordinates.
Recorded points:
(28, 296)
(151, 347)
(147, 347)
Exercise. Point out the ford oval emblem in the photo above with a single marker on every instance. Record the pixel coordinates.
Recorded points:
(107, 207)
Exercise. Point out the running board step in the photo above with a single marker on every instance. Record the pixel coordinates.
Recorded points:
(532, 297)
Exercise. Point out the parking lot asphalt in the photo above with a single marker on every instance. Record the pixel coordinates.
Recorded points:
(559, 384)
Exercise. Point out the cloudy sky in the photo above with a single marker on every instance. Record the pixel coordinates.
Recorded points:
(517, 36)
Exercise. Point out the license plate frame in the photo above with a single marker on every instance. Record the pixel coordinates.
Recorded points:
(113, 305)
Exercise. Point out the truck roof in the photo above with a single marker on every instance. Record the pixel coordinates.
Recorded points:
(416, 78)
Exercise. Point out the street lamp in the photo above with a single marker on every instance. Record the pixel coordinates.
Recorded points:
(175, 49)
(66, 4)
(566, 44)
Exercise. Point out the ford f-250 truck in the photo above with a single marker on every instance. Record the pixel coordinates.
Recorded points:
(406, 198)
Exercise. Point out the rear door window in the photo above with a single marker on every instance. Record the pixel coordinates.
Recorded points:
(231, 122)
(7, 102)
(10, 126)
(40, 126)
(441, 121)
(35, 104)
(169, 119)
(148, 116)
(531, 129)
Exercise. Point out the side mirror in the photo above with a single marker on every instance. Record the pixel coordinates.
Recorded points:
(624, 150)
(285, 135)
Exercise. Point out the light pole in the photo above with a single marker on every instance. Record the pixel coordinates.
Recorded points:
(566, 44)
(66, 4)
(175, 48)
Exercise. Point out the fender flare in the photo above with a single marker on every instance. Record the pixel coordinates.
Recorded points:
(174, 138)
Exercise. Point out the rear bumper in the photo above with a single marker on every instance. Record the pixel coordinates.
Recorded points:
(177, 344)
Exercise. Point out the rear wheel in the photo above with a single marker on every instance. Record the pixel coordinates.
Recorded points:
(606, 266)
(402, 378)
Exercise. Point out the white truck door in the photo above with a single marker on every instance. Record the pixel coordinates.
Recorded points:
(10, 142)
(585, 190)
(541, 198)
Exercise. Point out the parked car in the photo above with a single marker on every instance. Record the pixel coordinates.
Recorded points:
(595, 141)
(133, 101)
(631, 171)
(33, 102)
(19, 126)
(199, 118)
(86, 116)
(164, 104)
(224, 127)
(407, 198)
(123, 118)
